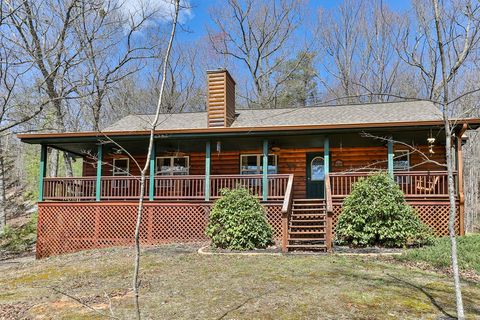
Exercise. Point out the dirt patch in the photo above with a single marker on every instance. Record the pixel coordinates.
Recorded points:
(9, 256)
(212, 250)
(14, 311)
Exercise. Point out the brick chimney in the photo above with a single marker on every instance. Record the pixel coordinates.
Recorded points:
(220, 98)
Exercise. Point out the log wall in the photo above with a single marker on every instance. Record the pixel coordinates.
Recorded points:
(290, 161)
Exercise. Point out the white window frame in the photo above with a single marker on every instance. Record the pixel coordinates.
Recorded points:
(170, 171)
(121, 173)
(259, 163)
(404, 151)
(311, 168)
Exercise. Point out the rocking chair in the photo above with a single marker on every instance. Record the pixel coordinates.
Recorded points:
(428, 185)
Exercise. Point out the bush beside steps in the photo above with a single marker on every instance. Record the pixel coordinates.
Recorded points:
(376, 214)
(238, 222)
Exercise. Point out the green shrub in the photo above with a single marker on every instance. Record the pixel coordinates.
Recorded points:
(375, 213)
(438, 254)
(19, 239)
(238, 222)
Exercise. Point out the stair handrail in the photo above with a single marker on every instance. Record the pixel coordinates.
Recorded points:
(329, 207)
(286, 211)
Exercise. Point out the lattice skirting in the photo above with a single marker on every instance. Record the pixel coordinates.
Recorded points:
(70, 227)
(433, 214)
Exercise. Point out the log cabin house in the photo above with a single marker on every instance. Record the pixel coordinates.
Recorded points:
(300, 162)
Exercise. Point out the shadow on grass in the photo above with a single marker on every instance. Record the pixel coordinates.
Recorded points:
(428, 295)
(244, 302)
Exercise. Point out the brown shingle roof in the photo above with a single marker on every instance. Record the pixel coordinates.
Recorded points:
(393, 112)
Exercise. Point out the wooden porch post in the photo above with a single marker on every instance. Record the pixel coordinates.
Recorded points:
(151, 181)
(98, 185)
(326, 155)
(43, 170)
(207, 170)
(390, 157)
(265, 171)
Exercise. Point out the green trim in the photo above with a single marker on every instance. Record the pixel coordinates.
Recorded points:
(265, 171)
(98, 184)
(151, 186)
(390, 157)
(43, 170)
(326, 155)
(207, 170)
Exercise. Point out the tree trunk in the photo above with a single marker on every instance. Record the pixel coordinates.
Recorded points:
(68, 165)
(143, 172)
(451, 185)
(3, 202)
(451, 221)
(54, 158)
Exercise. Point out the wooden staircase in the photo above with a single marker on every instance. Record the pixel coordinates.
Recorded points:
(308, 225)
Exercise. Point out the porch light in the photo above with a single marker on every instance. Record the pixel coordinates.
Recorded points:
(275, 149)
(118, 151)
(431, 142)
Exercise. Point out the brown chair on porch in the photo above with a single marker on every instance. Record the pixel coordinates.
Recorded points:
(427, 185)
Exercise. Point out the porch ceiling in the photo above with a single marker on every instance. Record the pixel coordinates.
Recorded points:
(167, 143)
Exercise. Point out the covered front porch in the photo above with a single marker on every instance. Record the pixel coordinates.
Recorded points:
(197, 168)
(301, 179)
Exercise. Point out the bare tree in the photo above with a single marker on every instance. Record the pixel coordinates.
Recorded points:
(471, 153)
(183, 92)
(359, 61)
(443, 39)
(416, 46)
(110, 48)
(14, 70)
(43, 32)
(257, 35)
(448, 147)
(144, 170)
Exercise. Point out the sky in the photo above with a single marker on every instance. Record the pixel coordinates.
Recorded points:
(197, 18)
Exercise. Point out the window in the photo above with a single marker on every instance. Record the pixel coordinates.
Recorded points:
(121, 167)
(172, 166)
(317, 168)
(253, 164)
(401, 160)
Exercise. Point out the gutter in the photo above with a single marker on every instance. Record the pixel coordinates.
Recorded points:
(228, 131)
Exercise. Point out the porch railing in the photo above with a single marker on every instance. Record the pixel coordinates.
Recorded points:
(287, 211)
(69, 189)
(191, 187)
(421, 184)
(329, 209)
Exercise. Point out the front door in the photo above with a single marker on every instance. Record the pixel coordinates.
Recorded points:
(315, 176)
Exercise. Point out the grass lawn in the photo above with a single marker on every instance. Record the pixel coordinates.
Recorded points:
(177, 283)
(438, 255)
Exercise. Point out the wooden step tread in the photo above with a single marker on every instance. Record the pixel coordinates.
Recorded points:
(319, 246)
(306, 239)
(307, 220)
(308, 226)
(296, 215)
(309, 204)
(306, 232)
(307, 209)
